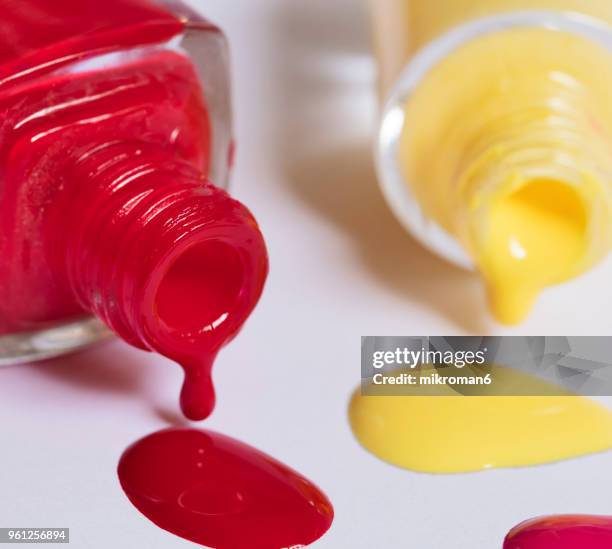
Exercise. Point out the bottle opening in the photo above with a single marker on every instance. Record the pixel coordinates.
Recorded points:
(537, 236)
(545, 220)
(201, 288)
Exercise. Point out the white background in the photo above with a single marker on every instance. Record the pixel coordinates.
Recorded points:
(341, 267)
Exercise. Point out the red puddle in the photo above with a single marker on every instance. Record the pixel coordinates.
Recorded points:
(221, 493)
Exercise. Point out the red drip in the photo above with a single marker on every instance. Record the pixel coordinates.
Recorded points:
(562, 532)
(221, 493)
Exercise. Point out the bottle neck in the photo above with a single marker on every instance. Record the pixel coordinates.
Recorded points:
(168, 261)
(532, 195)
(533, 200)
(543, 144)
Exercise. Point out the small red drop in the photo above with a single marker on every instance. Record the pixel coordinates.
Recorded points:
(562, 532)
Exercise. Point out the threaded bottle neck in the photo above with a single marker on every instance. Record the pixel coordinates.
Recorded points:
(544, 135)
(168, 261)
(532, 194)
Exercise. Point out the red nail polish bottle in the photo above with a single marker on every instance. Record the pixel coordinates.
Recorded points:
(115, 148)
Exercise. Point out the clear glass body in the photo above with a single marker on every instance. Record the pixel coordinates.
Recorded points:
(412, 38)
(200, 43)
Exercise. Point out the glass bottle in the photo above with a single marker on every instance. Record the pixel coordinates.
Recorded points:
(115, 148)
(494, 144)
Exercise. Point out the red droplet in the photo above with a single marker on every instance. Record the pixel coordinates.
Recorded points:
(562, 532)
(221, 493)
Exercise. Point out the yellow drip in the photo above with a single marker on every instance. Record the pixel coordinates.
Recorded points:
(453, 434)
(534, 239)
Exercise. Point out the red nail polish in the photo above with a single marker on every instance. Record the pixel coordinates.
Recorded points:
(562, 532)
(114, 150)
(222, 493)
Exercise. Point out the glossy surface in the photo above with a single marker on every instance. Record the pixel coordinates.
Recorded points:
(523, 181)
(562, 532)
(455, 434)
(221, 493)
(105, 207)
